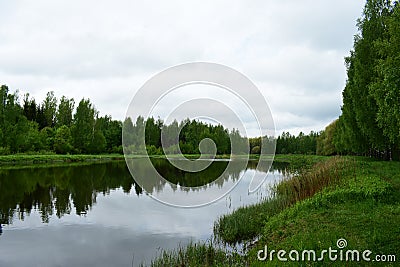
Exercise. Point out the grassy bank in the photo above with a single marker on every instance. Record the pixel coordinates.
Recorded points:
(49, 158)
(27, 159)
(340, 197)
(30, 159)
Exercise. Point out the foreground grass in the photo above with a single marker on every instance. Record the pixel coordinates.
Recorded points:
(348, 197)
(363, 211)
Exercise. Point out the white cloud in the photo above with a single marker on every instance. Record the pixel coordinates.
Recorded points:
(105, 50)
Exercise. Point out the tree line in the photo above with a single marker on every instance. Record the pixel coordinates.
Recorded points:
(370, 121)
(55, 126)
(191, 132)
(184, 136)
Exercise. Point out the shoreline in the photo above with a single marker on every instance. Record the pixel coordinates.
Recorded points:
(23, 160)
(35, 159)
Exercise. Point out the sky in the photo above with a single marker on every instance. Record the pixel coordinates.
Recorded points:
(292, 50)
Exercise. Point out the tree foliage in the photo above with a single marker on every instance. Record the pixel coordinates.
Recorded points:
(301, 144)
(370, 120)
(63, 140)
(52, 126)
(65, 112)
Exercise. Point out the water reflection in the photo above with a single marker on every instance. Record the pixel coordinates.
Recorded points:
(95, 215)
(52, 190)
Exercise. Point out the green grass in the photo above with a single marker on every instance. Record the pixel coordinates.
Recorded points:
(198, 254)
(51, 158)
(300, 162)
(27, 159)
(354, 198)
(244, 223)
(362, 211)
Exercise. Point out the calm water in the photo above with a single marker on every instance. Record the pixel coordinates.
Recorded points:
(95, 215)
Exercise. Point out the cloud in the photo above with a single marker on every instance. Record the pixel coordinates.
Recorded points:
(105, 51)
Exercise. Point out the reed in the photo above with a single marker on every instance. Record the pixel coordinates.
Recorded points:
(243, 225)
(197, 254)
(308, 182)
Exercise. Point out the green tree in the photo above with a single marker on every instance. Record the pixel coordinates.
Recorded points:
(112, 131)
(369, 99)
(3, 102)
(152, 133)
(30, 108)
(139, 132)
(47, 137)
(98, 141)
(65, 110)
(256, 150)
(128, 134)
(386, 87)
(325, 142)
(63, 140)
(82, 129)
(49, 109)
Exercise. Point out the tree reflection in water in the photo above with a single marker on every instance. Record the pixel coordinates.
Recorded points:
(53, 190)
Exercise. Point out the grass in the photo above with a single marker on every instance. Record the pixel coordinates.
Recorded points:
(299, 162)
(50, 158)
(309, 181)
(197, 254)
(354, 198)
(362, 211)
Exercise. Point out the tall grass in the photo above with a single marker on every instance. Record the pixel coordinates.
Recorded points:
(243, 225)
(310, 181)
(198, 254)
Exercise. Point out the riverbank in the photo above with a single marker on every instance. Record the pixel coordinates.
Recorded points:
(27, 159)
(32, 159)
(352, 199)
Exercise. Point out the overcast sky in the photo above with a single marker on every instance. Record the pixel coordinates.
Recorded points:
(293, 50)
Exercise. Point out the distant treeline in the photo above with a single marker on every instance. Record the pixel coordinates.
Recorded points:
(370, 120)
(58, 127)
(191, 132)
